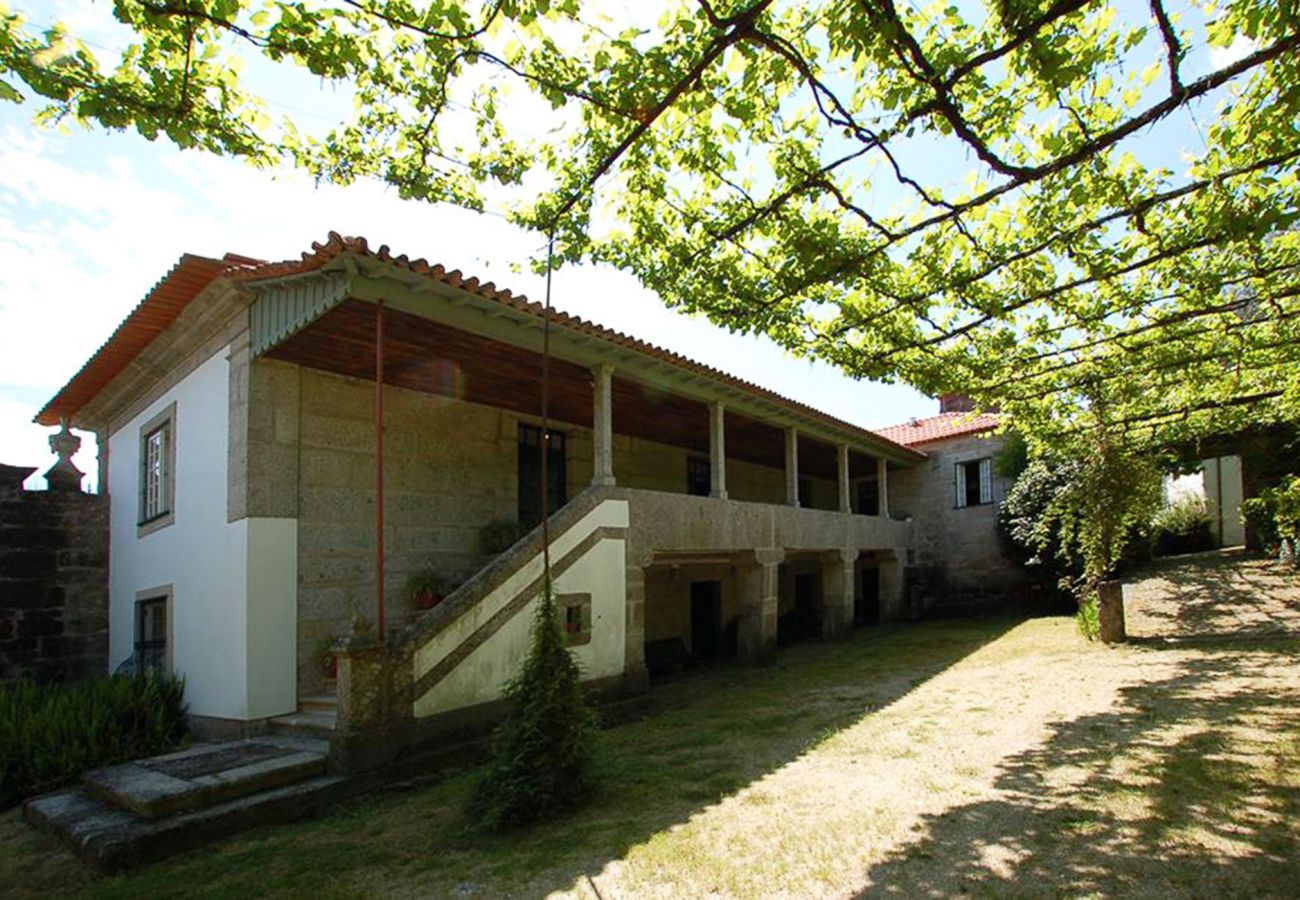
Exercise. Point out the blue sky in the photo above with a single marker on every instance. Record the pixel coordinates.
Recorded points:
(89, 221)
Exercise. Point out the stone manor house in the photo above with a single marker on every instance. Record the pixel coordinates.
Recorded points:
(283, 444)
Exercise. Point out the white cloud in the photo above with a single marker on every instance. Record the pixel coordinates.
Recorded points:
(1239, 49)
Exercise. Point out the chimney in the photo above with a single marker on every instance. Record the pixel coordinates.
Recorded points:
(951, 403)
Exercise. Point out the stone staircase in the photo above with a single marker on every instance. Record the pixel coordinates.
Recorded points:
(317, 716)
(137, 812)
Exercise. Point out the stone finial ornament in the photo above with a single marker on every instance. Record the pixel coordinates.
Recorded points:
(63, 475)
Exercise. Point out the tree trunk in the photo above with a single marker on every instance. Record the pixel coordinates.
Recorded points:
(1110, 612)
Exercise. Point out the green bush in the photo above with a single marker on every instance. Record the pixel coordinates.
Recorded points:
(1257, 516)
(1182, 527)
(50, 734)
(541, 751)
(1087, 620)
(1274, 518)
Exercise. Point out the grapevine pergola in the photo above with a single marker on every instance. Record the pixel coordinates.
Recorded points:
(1082, 212)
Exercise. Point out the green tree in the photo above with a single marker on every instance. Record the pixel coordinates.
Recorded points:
(541, 751)
(1055, 206)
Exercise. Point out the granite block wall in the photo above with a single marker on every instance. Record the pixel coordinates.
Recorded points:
(53, 584)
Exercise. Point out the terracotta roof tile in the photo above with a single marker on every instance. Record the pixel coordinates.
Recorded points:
(940, 428)
(337, 245)
(152, 315)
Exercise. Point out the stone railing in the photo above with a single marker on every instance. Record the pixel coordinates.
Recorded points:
(444, 672)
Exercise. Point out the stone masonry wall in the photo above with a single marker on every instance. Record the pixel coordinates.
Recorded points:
(962, 543)
(53, 584)
(450, 468)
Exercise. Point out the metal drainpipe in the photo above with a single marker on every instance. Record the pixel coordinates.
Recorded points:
(379, 466)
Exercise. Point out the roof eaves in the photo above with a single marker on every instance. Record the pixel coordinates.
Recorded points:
(150, 317)
(322, 254)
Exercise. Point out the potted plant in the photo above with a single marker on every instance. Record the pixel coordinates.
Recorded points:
(426, 587)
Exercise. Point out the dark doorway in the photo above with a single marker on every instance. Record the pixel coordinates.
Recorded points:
(868, 497)
(530, 474)
(707, 636)
(803, 620)
(866, 606)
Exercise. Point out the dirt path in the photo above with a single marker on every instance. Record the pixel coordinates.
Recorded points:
(983, 757)
(1040, 766)
(1214, 595)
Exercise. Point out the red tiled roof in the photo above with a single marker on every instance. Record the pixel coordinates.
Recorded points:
(940, 428)
(155, 312)
(193, 273)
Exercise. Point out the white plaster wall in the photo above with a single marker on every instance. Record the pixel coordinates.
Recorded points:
(480, 677)
(1223, 495)
(200, 555)
(233, 584)
(272, 616)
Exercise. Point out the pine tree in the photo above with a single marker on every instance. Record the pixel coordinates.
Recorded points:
(542, 750)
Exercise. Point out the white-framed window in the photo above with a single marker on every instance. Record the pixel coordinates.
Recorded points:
(157, 471)
(152, 648)
(974, 482)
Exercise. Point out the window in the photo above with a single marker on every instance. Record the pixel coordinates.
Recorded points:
(151, 650)
(699, 477)
(157, 471)
(575, 617)
(975, 482)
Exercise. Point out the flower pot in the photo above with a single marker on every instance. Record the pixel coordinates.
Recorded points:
(428, 599)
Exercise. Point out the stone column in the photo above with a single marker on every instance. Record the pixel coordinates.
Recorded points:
(758, 583)
(602, 428)
(842, 473)
(891, 585)
(101, 445)
(837, 592)
(792, 467)
(882, 479)
(361, 740)
(1110, 613)
(718, 450)
(636, 678)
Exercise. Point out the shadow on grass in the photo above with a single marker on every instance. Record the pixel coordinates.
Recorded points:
(708, 735)
(1168, 794)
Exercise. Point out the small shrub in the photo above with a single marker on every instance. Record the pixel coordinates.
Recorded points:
(1182, 527)
(1087, 620)
(50, 734)
(1257, 516)
(1273, 519)
(541, 751)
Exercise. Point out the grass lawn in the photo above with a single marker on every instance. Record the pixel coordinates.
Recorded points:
(988, 757)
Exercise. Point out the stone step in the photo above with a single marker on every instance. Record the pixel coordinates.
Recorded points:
(112, 839)
(207, 774)
(311, 723)
(319, 703)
